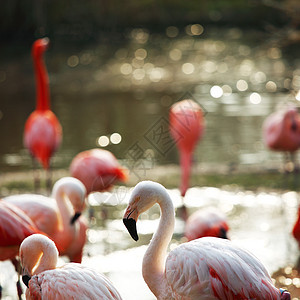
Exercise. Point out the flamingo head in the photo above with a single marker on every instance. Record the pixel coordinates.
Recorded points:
(143, 197)
(74, 191)
(292, 119)
(284, 294)
(40, 46)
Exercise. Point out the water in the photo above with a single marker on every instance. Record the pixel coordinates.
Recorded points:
(127, 87)
(260, 222)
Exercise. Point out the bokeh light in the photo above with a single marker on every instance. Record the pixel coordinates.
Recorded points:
(188, 68)
(255, 98)
(172, 31)
(216, 91)
(115, 138)
(73, 61)
(103, 141)
(242, 85)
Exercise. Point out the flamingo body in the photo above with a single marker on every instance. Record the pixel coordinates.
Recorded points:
(206, 268)
(186, 127)
(296, 228)
(43, 132)
(98, 169)
(42, 135)
(206, 222)
(70, 281)
(15, 226)
(53, 215)
(217, 269)
(281, 130)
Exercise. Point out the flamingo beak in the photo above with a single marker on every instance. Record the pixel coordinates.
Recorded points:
(223, 233)
(75, 217)
(25, 279)
(130, 224)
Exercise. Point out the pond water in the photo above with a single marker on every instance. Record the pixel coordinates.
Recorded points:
(259, 222)
(127, 86)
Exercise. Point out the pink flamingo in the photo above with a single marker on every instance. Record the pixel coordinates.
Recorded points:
(98, 169)
(206, 222)
(43, 132)
(15, 226)
(296, 228)
(281, 131)
(187, 127)
(56, 216)
(206, 268)
(45, 280)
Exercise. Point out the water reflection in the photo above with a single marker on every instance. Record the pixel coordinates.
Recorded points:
(126, 87)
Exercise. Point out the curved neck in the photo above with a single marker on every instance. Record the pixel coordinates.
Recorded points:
(154, 258)
(66, 230)
(42, 82)
(48, 260)
(185, 165)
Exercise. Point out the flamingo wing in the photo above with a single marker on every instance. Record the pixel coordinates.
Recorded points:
(71, 281)
(217, 269)
(14, 225)
(40, 209)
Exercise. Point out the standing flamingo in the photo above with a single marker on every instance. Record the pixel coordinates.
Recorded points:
(98, 169)
(206, 268)
(45, 280)
(15, 226)
(56, 216)
(187, 127)
(281, 131)
(43, 132)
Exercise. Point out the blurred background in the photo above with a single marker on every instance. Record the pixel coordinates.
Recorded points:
(117, 67)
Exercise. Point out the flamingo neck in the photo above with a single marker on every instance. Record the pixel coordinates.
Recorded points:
(42, 83)
(48, 259)
(66, 229)
(154, 259)
(185, 165)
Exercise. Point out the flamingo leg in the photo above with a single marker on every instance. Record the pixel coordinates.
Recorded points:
(17, 266)
(49, 180)
(36, 176)
(295, 169)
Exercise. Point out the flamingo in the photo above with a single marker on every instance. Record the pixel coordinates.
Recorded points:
(187, 127)
(206, 222)
(296, 228)
(43, 132)
(45, 280)
(98, 169)
(15, 226)
(281, 131)
(56, 216)
(205, 268)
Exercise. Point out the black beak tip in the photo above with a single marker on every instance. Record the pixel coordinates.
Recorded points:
(75, 217)
(223, 233)
(25, 279)
(130, 224)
